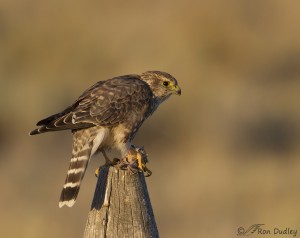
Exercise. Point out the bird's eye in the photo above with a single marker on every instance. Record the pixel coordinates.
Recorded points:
(165, 83)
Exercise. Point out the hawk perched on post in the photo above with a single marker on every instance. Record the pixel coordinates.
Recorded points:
(107, 116)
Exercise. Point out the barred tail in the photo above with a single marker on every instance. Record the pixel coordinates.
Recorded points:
(85, 144)
(75, 174)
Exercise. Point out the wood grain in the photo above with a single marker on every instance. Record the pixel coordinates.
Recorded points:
(121, 206)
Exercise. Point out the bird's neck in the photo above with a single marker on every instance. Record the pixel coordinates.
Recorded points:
(157, 101)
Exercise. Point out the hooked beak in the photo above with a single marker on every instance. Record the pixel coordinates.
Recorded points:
(177, 90)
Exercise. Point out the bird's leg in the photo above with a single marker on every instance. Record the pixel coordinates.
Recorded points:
(108, 162)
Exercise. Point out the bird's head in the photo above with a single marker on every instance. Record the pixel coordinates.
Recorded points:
(162, 84)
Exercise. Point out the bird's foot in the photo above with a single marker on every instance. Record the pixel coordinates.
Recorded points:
(135, 161)
(147, 171)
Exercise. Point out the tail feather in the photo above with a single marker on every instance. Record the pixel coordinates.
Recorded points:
(73, 181)
(85, 143)
(79, 162)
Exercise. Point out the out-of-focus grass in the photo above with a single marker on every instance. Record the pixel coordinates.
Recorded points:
(225, 154)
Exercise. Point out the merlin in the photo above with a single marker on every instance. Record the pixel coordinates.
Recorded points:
(107, 116)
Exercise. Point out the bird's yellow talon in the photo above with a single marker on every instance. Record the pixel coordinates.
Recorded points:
(97, 171)
(140, 163)
(148, 171)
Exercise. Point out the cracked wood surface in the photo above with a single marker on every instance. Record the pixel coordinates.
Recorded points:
(121, 207)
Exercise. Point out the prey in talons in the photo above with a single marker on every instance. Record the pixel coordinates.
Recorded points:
(135, 161)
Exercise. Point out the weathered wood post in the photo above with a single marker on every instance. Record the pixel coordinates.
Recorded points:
(121, 206)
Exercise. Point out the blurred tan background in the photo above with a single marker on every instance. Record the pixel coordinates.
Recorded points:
(225, 154)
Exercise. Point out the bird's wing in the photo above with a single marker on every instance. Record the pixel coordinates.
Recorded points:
(107, 103)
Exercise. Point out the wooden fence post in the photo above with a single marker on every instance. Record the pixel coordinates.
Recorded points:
(121, 206)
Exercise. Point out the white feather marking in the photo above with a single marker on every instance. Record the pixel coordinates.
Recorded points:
(69, 203)
(71, 185)
(80, 158)
(98, 140)
(74, 118)
(76, 171)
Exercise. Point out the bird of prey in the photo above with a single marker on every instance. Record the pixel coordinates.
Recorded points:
(107, 116)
